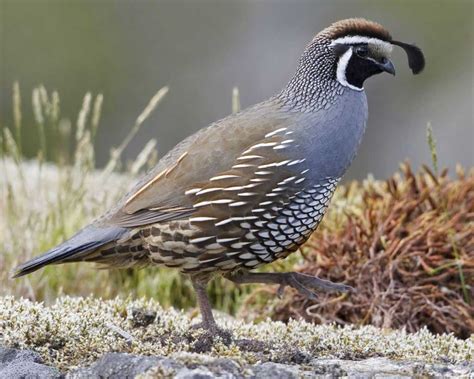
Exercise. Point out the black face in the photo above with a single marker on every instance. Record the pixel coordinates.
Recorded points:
(363, 63)
(361, 66)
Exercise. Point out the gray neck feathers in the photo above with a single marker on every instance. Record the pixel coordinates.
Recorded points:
(314, 85)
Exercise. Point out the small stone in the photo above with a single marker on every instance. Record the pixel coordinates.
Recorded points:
(24, 364)
(142, 317)
(116, 366)
(270, 370)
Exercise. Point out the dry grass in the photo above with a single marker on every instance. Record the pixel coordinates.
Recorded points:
(46, 200)
(407, 247)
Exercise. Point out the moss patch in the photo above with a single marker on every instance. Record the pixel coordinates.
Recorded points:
(77, 331)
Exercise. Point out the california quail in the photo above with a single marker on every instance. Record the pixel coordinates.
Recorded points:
(251, 188)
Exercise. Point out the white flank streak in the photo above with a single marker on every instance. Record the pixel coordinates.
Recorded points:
(341, 70)
(202, 204)
(220, 177)
(274, 132)
(207, 190)
(264, 144)
(299, 180)
(304, 171)
(192, 191)
(266, 203)
(244, 157)
(263, 172)
(208, 260)
(200, 239)
(287, 141)
(200, 219)
(296, 162)
(243, 165)
(223, 222)
(230, 219)
(234, 188)
(259, 180)
(248, 194)
(251, 185)
(280, 147)
(224, 240)
(220, 201)
(287, 180)
(274, 164)
(238, 204)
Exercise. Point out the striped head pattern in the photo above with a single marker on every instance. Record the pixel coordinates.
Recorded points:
(362, 49)
(346, 54)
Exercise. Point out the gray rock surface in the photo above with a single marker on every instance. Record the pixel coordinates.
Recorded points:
(201, 366)
(25, 364)
(121, 365)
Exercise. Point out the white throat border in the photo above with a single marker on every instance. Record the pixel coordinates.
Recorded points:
(345, 58)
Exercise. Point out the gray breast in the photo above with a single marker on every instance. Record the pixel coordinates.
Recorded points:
(330, 138)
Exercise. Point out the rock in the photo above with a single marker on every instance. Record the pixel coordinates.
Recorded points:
(27, 364)
(382, 367)
(24, 364)
(121, 365)
(199, 373)
(142, 317)
(275, 370)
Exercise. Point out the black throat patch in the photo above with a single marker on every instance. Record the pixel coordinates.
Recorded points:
(359, 69)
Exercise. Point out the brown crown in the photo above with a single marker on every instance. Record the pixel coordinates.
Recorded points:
(356, 26)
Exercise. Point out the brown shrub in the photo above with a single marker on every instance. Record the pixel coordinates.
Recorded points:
(408, 252)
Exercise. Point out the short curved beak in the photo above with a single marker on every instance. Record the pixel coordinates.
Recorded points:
(387, 66)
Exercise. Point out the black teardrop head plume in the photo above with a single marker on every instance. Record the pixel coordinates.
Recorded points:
(416, 59)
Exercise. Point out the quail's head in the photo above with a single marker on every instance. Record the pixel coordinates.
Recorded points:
(352, 50)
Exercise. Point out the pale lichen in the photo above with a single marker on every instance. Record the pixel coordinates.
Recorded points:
(77, 331)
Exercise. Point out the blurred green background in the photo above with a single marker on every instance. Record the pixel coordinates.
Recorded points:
(201, 49)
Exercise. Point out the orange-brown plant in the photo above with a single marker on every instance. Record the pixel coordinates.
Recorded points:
(408, 252)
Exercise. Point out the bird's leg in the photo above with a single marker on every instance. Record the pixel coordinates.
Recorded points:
(305, 284)
(208, 323)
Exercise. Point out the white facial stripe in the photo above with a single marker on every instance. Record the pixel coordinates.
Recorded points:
(341, 70)
(351, 40)
(382, 46)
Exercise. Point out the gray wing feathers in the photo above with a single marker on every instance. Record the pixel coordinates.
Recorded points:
(85, 241)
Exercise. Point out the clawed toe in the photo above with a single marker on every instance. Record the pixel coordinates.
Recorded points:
(307, 285)
(212, 330)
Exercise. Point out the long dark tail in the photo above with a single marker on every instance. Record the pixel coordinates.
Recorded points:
(85, 241)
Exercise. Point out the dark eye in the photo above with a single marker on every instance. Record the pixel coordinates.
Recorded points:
(362, 51)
